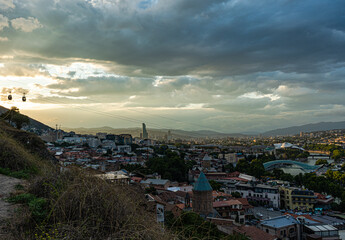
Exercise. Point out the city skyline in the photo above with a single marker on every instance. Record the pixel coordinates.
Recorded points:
(228, 66)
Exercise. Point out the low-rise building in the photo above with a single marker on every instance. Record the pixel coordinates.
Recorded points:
(297, 199)
(160, 183)
(284, 227)
(232, 209)
(262, 194)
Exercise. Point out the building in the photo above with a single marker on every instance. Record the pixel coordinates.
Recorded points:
(157, 183)
(145, 134)
(297, 199)
(262, 194)
(232, 209)
(127, 139)
(206, 161)
(253, 233)
(284, 227)
(324, 232)
(202, 196)
(298, 227)
(118, 177)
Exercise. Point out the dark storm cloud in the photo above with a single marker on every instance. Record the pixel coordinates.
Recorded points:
(179, 37)
(238, 62)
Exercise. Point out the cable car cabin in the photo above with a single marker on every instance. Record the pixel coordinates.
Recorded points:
(24, 98)
(9, 97)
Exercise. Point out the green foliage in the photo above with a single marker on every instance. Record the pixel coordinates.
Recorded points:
(243, 166)
(229, 167)
(236, 195)
(171, 166)
(132, 167)
(22, 174)
(37, 206)
(255, 167)
(23, 198)
(151, 190)
(14, 116)
(80, 206)
(215, 185)
(337, 154)
(190, 164)
(190, 225)
(321, 162)
(19, 187)
(291, 153)
(322, 147)
(22, 154)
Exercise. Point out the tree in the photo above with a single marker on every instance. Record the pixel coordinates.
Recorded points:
(256, 168)
(321, 162)
(215, 185)
(336, 155)
(229, 167)
(236, 195)
(13, 116)
(171, 166)
(243, 166)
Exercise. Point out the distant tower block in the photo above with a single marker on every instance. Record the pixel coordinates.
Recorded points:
(202, 196)
(145, 134)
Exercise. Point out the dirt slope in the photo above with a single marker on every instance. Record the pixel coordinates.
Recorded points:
(7, 185)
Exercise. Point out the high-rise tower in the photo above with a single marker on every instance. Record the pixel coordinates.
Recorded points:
(145, 134)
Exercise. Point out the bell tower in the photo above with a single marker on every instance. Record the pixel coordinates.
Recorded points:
(202, 196)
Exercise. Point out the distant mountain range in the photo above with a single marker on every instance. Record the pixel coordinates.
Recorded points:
(183, 134)
(33, 123)
(135, 132)
(312, 127)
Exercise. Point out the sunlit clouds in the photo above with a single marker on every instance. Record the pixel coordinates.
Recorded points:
(230, 66)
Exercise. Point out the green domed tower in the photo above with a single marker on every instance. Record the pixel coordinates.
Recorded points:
(202, 196)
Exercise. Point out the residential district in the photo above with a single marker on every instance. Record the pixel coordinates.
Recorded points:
(284, 187)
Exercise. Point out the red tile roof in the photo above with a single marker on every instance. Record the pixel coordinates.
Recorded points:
(254, 233)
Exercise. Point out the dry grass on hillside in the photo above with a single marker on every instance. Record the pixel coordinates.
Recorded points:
(81, 206)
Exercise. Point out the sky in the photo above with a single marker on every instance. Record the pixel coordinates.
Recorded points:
(229, 66)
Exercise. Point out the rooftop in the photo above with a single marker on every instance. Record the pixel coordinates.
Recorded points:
(202, 183)
(279, 222)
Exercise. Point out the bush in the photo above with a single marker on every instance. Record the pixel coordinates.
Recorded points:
(80, 206)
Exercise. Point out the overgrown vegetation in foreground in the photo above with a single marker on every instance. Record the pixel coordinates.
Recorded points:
(75, 205)
(190, 225)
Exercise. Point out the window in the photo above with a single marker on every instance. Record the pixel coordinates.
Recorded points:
(267, 230)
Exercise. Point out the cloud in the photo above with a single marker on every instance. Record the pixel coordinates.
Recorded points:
(26, 24)
(6, 4)
(240, 63)
(180, 38)
(3, 22)
(3, 39)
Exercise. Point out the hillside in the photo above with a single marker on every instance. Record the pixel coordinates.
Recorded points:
(33, 123)
(22, 151)
(313, 127)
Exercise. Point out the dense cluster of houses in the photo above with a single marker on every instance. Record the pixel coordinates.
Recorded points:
(232, 208)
